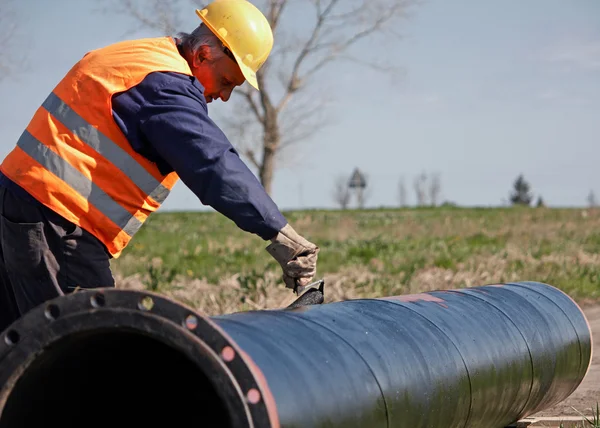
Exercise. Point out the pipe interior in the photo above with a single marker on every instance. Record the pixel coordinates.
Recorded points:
(113, 379)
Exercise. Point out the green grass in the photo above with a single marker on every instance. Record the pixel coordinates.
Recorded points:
(373, 252)
(594, 421)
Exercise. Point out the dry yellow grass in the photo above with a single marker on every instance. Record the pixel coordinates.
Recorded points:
(204, 260)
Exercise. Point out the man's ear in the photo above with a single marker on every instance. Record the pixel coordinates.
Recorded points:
(202, 55)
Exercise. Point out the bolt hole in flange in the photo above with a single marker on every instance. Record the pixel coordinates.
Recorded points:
(228, 354)
(191, 322)
(52, 312)
(98, 300)
(253, 396)
(146, 304)
(12, 337)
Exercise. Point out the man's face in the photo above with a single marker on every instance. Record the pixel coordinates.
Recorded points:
(219, 77)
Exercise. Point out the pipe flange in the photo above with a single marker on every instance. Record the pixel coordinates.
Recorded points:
(91, 309)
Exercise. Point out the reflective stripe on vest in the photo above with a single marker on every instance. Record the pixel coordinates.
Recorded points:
(104, 146)
(86, 188)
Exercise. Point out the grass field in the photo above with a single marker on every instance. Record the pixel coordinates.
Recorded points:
(204, 260)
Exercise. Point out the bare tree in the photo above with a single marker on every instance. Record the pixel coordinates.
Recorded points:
(402, 193)
(363, 194)
(341, 192)
(420, 185)
(290, 107)
(11, 58)
(435, 188)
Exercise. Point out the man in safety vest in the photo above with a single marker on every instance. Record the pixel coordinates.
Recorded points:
(107, 145)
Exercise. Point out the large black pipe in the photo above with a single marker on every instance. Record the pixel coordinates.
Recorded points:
(478, 357)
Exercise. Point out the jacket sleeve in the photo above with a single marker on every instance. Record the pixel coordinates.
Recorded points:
(165, 118)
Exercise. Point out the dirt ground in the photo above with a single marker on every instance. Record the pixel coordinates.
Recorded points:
(585, 397)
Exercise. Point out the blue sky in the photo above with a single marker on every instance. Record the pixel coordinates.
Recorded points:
(489, 90)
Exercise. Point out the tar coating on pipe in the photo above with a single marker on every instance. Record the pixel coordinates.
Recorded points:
(477, 357)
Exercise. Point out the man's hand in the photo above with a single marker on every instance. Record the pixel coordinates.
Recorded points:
(296, 255)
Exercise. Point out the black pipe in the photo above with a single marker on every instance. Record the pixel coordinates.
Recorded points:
(478, 357)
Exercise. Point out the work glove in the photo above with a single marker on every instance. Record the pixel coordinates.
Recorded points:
(296, 255)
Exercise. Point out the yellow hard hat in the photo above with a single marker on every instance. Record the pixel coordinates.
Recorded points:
(244, 30)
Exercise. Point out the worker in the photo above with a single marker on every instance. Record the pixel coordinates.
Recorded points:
(110, 141)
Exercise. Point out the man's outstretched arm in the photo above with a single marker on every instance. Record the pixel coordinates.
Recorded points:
(166, 119)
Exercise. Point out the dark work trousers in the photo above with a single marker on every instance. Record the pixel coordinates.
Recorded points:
(43, 256)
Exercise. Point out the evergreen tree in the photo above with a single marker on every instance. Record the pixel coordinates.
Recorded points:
(520, 194)
(540, 202)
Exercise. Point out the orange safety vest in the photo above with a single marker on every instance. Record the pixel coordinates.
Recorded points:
(75, 160)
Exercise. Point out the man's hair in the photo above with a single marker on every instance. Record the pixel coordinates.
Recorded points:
(202, 41)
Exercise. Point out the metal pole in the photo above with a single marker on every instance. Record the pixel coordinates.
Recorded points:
(476, 357)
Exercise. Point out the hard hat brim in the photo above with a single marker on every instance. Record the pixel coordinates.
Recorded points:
(248, 73)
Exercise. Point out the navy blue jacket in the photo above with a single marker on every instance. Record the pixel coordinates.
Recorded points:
(165, 118)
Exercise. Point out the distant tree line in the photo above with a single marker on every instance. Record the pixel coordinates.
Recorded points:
(521, 195)
(427, 188)
(428, 191)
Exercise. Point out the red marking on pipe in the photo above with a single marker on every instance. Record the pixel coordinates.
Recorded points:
(228, 354)
(423, 297)
(264, 386)
(253, 396)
